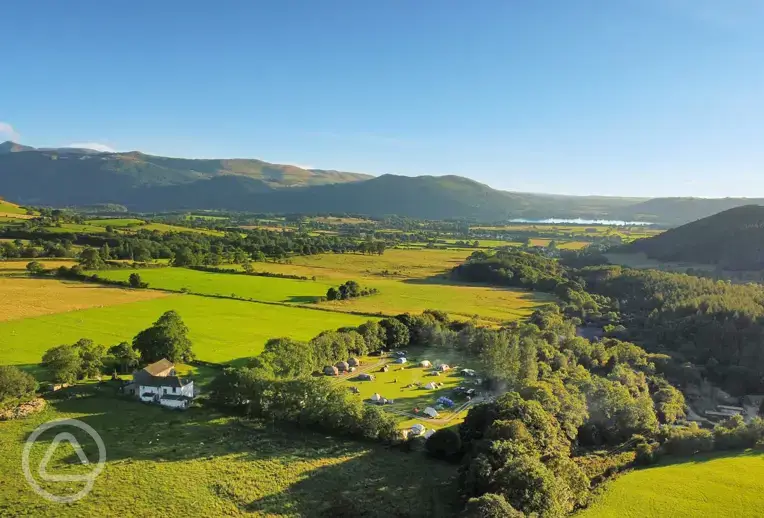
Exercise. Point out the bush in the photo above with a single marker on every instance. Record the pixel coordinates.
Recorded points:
(490, 506)
(15, 383)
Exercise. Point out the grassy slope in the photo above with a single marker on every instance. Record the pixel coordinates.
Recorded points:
(166, 463)
(11, 208)
(221, 330)
(711, 485)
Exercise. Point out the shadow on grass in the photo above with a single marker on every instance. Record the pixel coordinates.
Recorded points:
(364, 479)
(302, 299)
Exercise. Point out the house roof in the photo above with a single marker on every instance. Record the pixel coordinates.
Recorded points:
(144, 379)
(159, 368)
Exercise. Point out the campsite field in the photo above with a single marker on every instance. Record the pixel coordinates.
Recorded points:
(220, 329)
(226, 468)
(25, 298)
(398, 383)
(707, 485)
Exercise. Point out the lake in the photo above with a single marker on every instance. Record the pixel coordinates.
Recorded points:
(579, 221)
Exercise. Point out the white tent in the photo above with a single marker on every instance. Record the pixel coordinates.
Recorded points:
(425, 363)
(400, 360)
(431, 386)
(431, 412)
(428, 434)
(417, 429)
(376, 397)
(443, 367)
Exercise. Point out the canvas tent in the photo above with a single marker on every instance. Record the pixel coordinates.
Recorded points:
(376, 397)
(354, 362)
(431, 412)
(400, 360)
(342, 366)
(365, 377)
(425, 363)
(445, 402)
(443, 367)
(428, 434)
(331, 370)
(417, 429)
(431, 385)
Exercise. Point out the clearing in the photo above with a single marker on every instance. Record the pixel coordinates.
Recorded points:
(707, 485)
(24, 298)
(226, 467)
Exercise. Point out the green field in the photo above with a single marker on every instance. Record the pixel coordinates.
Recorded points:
(268, 289)
(708, 485)
(197, 464)
(221, 329)
(396, 383)
(116, 222)
(11, 208)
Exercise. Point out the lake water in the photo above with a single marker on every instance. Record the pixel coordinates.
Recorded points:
(579, 221)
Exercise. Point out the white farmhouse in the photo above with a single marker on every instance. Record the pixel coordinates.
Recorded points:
(159, 383)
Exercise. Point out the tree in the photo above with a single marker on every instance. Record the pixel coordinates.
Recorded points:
(167, 338)
(396, 333)
(531, 487)
(63, 363)
(490, 506)
(90, 259)
(444, 443)
(285, 358)
(91, 356)
(15, 383)
(374, 335)
(332, 294)
(125, 355)
(135, 281)
(35, 268)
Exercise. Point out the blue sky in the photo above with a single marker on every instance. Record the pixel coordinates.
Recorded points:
(626, 97)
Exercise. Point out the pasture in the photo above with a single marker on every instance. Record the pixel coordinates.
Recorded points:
(220, 329)
(706, 485)
(20, 265)
(116, 222)
(25, 298)
(7, 207)
(226, 467)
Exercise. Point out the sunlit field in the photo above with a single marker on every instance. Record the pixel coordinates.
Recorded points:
(703, 486)
(225, 468)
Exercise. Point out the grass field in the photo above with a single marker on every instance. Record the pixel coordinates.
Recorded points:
(710, 485)
(268, 289)
(24, 298)
(164, 227)
(20, 265)
(116, 222)
(395, 384)
(196, 464)
(7, 207)
(221, 329)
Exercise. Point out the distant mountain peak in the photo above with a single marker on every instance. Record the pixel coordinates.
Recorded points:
(13, 147)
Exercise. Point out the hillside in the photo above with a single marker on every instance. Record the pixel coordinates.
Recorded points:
(80, 176)
(678, 211)
(733, 240)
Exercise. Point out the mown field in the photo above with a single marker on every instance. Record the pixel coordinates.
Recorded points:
(221, 329)
(709, 485)
(25, 298)
(197, 464)
(408, 281)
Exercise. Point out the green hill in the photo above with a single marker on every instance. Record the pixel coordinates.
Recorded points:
(733, 240)
(678, 211)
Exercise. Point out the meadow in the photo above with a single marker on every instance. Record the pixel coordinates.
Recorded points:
(706, 485)
(220, 329)
(116, 222)
(7, 207)
(25, 298)
(195, 463)
(408, 282)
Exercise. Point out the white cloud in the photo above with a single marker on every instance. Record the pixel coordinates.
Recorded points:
(94, 146)
(7, 132)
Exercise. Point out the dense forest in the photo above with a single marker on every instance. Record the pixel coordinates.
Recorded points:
(731, 240)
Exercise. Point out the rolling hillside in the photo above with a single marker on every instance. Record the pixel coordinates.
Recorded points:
(733, 240)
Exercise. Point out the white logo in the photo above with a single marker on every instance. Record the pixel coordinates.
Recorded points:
(88, 479)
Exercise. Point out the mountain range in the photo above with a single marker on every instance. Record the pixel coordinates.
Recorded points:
(143, 183)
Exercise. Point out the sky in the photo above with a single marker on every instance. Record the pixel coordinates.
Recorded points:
(626, 97)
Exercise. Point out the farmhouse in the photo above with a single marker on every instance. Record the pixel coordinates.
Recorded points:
(159, 383)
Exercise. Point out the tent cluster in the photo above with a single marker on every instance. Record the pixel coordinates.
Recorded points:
(349, 366)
